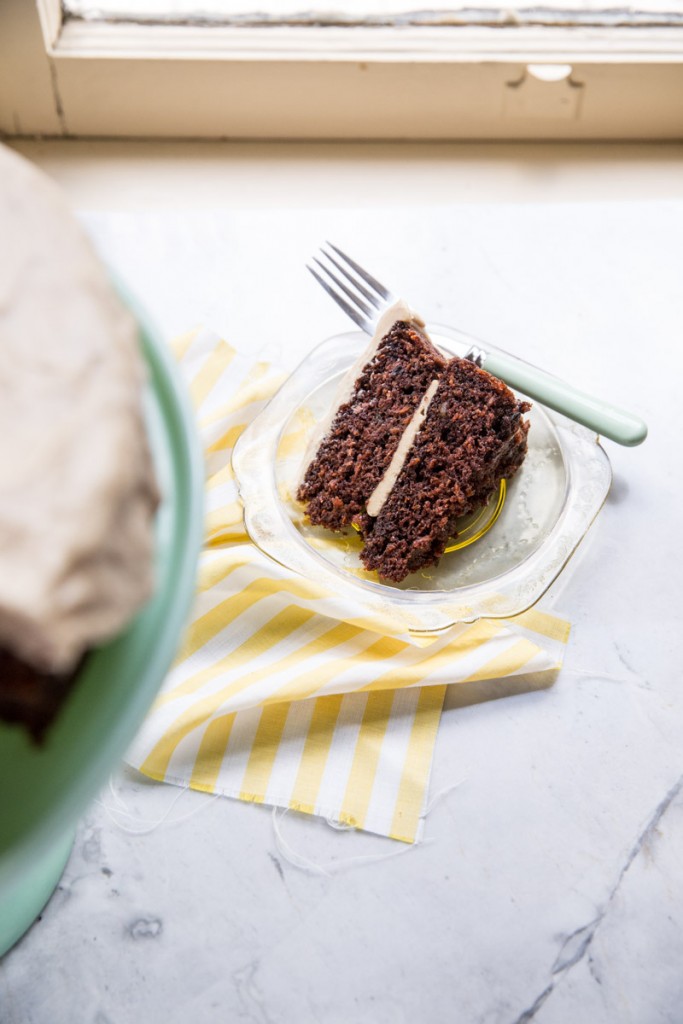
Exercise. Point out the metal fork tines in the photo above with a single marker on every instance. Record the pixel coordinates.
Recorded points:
(363, 298)
(357, 292)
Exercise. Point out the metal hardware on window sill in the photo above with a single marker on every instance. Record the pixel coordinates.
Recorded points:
(544, 91)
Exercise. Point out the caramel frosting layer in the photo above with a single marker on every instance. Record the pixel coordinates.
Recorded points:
(378, 498)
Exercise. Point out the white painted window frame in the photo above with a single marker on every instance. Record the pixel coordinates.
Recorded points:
(87, 79)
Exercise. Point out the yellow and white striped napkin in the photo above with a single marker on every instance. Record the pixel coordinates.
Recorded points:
(281, 695)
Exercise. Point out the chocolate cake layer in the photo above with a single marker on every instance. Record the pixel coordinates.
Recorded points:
(367, 428)
(30, 697)
(473, 435)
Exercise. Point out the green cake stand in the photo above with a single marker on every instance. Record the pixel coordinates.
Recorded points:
(44, 790)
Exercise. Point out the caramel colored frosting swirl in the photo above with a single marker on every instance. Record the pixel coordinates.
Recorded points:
(77, 489)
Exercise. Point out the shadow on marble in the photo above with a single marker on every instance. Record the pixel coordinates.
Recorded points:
(461, 695)
(619, 490)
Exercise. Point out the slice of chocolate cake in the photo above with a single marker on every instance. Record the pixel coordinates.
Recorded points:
(414, 442)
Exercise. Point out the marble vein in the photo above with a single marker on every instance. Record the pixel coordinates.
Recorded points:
(248, 994)
(578, 943)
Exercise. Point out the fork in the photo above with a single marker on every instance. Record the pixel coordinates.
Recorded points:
(363, 298)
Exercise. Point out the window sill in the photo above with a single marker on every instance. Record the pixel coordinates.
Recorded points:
(173, 82)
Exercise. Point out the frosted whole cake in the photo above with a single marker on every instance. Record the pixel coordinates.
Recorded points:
(412, 442)
(77, 488)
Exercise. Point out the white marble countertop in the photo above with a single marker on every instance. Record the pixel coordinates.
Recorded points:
(550, 883)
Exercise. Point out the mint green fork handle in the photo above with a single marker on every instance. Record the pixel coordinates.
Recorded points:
(605, 419)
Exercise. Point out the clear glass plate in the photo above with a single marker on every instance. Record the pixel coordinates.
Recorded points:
(502, 561)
